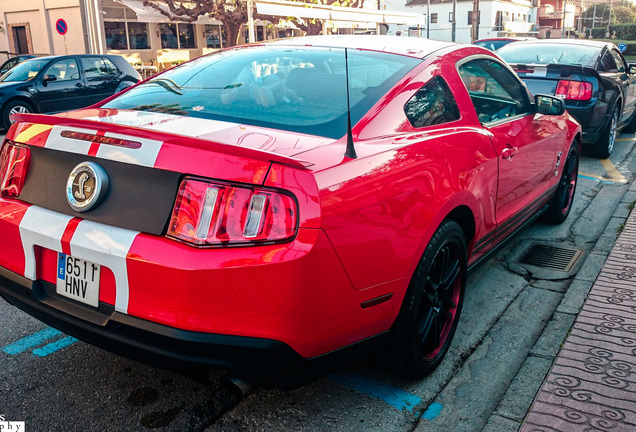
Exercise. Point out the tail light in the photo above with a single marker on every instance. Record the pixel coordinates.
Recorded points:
(14, 163)
(210, 213)
(574, 90)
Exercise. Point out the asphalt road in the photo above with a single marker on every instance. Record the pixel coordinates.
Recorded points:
(509, 331)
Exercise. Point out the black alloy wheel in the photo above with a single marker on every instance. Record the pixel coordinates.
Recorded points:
(424, 328)
(604, 147)
(563, 198)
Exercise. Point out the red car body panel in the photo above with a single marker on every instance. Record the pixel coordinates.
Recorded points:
(363, 223)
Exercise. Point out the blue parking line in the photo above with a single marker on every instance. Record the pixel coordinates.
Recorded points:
(432, 411)
(54, 346)
(395, 397)
(30, 341)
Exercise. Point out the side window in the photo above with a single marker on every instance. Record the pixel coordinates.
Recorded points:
(607, 62)
(495, 92)
(432, 104)
(620, 64)
(110, 67)
(93, 67)
(64, 70)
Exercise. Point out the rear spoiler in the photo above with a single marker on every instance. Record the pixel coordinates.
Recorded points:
(553, 70)
(166, 137)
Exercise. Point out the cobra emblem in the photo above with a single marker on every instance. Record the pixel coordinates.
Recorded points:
(79, 194)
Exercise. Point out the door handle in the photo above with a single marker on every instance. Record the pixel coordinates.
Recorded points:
(79, 85)
(508, 152)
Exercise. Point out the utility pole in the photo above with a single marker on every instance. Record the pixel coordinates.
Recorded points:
(428, 19)
(454, 20)
(474, 34)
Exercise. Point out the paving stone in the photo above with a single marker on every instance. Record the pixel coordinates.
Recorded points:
(592, 383)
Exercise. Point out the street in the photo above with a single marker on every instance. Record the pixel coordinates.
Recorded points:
(514, 318)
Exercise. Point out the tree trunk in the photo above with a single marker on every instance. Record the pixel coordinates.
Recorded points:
(232, 31)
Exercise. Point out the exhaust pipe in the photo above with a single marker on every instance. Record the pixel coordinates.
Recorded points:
(236, 385)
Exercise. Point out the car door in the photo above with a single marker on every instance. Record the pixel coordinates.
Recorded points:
(525, 142)
(618, 72)
(102, 77)
(60, 87)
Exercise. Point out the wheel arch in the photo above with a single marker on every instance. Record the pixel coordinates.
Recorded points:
(22, 98)
(464, 217)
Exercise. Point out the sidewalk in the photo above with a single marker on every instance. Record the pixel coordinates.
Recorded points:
(592, 383)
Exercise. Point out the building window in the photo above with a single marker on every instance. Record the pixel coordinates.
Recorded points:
(177, 36)
(470, 17)
(215, 36)
(123, 32)
(434, 18)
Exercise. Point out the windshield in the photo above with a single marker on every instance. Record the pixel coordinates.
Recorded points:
(294, 89)
(25, 71)
(545, 53)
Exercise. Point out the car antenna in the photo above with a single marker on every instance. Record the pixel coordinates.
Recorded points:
(351, 151)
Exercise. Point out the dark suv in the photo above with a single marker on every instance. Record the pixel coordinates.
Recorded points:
(61, 83)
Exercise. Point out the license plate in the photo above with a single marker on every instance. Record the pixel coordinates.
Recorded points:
(78, 279)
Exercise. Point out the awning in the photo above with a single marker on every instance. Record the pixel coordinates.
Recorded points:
(150, 15)
(283, 8)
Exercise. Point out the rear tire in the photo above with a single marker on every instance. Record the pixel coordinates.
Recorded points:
(561, 202)
(605, 145)
(424, 328)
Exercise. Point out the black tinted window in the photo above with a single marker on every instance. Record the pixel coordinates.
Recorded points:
(432, 104)
(495, 92)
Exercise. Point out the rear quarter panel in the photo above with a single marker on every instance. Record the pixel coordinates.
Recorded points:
(381, 209)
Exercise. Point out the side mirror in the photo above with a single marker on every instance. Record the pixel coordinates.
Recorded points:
(549, 105)
(48, 78)
(632, 69)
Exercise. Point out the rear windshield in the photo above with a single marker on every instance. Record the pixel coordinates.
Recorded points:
(289, 88)
(546, 53)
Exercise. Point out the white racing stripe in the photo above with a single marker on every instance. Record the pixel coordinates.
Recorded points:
(92, 241)
(146, 155)
(176, 124)
(108, 246)
(40, 227)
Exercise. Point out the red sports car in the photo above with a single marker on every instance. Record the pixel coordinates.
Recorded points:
(275, 210)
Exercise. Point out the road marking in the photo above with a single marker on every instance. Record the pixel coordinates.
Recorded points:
(37, 339)
(432, 411)
(612, 171)
(31, 341)
(54, 346)
(395, 397)
(613, 175)
(626, 139)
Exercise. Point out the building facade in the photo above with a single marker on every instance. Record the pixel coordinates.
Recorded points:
(140, 34)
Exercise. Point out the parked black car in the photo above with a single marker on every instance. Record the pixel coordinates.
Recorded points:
(61, 83)
(493, 44)
(592, 77)
(14, 61)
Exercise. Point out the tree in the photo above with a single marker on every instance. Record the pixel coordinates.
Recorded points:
(624, 14)
(313, 26)
(233, 13)
(620, 14)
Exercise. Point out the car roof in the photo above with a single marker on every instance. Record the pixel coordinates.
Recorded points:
(582, 42)
(414, 47)
(506, 38)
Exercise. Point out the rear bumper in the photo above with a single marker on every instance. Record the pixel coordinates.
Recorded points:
(591, 118)
(266, 362)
